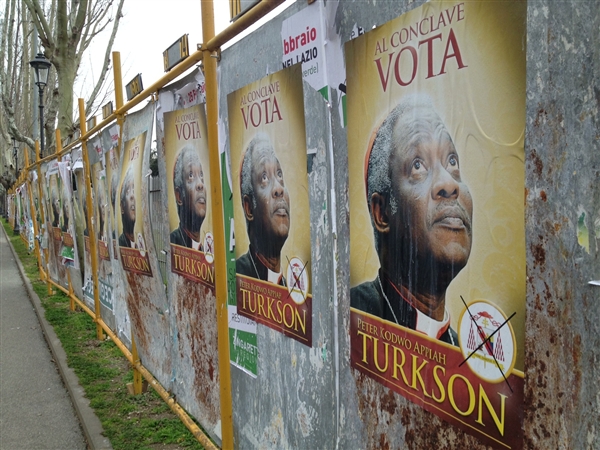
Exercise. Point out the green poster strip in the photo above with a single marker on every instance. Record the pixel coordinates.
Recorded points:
(242, 332)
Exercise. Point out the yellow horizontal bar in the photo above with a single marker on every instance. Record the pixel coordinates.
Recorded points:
(253, 15)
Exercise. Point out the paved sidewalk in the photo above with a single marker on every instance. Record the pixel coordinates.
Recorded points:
(36, 407)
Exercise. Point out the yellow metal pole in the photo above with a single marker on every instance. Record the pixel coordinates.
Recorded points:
(212, 105)
(33, 214)
(118, 81)
(135, 362)
(90, 219)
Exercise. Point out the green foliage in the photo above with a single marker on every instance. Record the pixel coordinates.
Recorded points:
(130, 422)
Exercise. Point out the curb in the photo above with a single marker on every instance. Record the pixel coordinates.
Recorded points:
(90, 424)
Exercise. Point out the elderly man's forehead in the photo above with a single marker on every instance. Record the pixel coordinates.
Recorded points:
(190, 157)
(414, 129)
(263, 152)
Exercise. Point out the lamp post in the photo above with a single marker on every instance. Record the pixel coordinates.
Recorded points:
(16, 229)
(41, 68)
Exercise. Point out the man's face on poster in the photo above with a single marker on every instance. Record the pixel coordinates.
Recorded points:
(192, 197)
(101, 207)
(272, 210)
(128, 204)
(434, 208)
(65, 213)
(55, 208)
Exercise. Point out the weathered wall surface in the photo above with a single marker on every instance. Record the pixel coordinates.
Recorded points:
(562, 382)
(291, 402)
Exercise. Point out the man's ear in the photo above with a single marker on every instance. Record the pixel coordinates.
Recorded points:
(178, 198)
(248, 210)
(379, 212)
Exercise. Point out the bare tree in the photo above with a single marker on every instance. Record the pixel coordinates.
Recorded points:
(66, 30)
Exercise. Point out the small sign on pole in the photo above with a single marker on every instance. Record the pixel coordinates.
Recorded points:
(107, 110)
(134, 87)
(91, 123)
(239, 7)
(176, 53)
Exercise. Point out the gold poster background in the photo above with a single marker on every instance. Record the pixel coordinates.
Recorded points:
(136, 168)
(483, 108)
(112, 171)
(289, 140)
(172, 147)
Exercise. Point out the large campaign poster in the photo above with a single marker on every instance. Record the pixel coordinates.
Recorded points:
(436, 104)
(54, 221)
(271, 207)
(111, 289)
(131, 240)
(188, 180)
(99, 214)
(67, 227)
(186, 185)
(83, 214)
(142, 284)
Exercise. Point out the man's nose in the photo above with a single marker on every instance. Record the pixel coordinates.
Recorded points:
(277, 188)
(199, 184)
(444, 184)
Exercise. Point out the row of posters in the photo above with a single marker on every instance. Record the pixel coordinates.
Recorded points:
(435, 188)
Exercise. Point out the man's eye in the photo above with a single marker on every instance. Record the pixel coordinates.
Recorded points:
(418, 167)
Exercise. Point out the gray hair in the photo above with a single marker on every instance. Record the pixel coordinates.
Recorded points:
(126, 179)
(83, 201)
(417, 117)
(178, 168)
(246, 187)
(114, 183)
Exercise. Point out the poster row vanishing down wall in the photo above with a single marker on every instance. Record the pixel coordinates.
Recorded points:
(373, 220)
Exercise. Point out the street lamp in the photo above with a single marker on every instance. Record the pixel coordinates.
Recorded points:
(41, 67)
(16, 229)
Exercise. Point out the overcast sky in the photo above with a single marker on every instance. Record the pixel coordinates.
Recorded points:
(146, 30)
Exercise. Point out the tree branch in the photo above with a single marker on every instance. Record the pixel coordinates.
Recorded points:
(106, 64)
(39, 19)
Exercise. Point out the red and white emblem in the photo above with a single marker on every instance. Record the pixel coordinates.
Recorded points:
(297, 280)
(495, 359)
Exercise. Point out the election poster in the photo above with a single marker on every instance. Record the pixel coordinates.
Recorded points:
(113, 166)
(55, 220)
(112, 293)
(83, 214)
(67, 227)
(143, 287)
(436, 117)
(101, 235)
(188, 181)
(131, 241)
(183, 158)
(271, 206)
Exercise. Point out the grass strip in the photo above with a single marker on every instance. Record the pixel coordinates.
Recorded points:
(130, 422)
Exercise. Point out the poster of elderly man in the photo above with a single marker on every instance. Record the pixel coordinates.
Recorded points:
(437, 239)
(188, 181)
(270, 197)
(131, 241)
